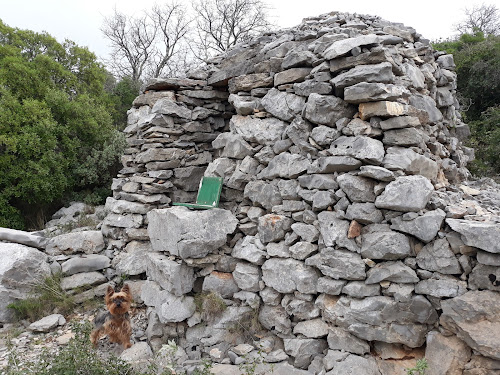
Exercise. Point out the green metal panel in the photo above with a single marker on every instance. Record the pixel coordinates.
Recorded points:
(208, 194)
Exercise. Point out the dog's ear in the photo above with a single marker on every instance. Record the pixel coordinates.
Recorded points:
(110, 291)
(126, 289)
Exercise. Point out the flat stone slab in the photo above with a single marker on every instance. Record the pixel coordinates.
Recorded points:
(485, 236)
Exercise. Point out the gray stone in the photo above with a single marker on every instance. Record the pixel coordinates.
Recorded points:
(484, 235)
(358, 289)
(221, 283)
(332, 164)
(406, 193)
(137, 354)
(333, 357)
(364, 213)
(394, 271)
(365, 149)
(308, 87)
(285, 165)
(445, 354)
(234, 146)
(333, 231)
(278, 249)
(441, 287)
(369, 92)
(386, 245)
(327, 109)
(304, 350)
(318, 181)
(437, 256)
(272, 228)
(357, 364)
(247, 277)
(311, 329)
(357, 189)
(322, 199)
(410, 162)
(264, 194)
(474, 318)
(411, 335)
(403, 137)
(382, 109)
(427, 104)
(291, 76)
(47, 323)
(298, 58)
(338, 264)
(364, 73)
(159, 154)
(169, 307)
(302, 250)
(187, 234)
(324, 135)
(250, 249)
(85, 263)
(289, 275)
(248, 82)
(340, 339)
(88, 242)
(264, 131)
(488, 259)
(342, 47)
(113, 220)
(244, 105)
(275, 318)
(424, 227)
(282, 105)
(133, 260)
(23, 238)
(120, 206)
(82, 279)
(167, 106)
(330, 286)
(307, 233)
(174, 277)
(399, 122)
(485, 277)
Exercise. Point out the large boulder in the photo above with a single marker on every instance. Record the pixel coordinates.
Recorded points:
(189, 234)
(88, 242)
(22, 237)
(21, 266)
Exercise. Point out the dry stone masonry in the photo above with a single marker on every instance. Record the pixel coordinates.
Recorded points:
(345, 226)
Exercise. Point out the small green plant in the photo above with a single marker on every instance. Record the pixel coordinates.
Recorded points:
(77, 358)
(251, 362)
(419, 368)
(205, 369)
(45, 297)
(209, 305)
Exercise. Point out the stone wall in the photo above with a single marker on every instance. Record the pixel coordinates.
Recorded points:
(343, 226)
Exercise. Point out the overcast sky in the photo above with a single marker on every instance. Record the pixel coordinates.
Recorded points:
(80, 20)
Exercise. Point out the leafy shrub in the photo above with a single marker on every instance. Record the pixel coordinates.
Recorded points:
(419, 368)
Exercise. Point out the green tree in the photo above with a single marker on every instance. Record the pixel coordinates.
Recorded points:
(56, 130)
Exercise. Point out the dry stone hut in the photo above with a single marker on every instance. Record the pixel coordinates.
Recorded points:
(342, 229)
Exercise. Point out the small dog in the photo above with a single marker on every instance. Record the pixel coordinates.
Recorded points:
(116, 322)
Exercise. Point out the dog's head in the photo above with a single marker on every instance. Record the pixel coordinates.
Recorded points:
(118, 303)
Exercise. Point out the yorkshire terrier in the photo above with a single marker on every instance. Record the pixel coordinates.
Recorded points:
(116, 322)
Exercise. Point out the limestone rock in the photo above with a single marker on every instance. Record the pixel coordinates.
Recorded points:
(263, 193)
(364, 73)
(406, 193)
(437, 256)
(221, 283)
(289, 275)
(333, 231)
(340, 339)
(273, 227)
(358, 189)
(363, 148)
(23, 238)
(385, 245)
(326, 109)
(282, 105)
(424, 227)
(391, 271)
(291, 76)
(47, 323)
(355, 363)
(187, 234)
(342, 47)
(409, 161)
(85, 263)
(381, 109)
(88, 242)
(312, 329)
(304, 350)
(82, 279)
(247, 277)
(338, 264)
(175, 278)
(264, 131)
(369, 92)
(485, 236)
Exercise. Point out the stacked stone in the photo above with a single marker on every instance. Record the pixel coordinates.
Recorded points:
(345, 235)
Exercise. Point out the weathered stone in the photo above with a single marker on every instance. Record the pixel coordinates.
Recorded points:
(85, 263)
(250, 249)
(22, 237)
(133, 260)
(169, 307)
(291, 76)
(273, 227)
(308, 87)
(327, 109)
(329, 286)
(187, 234)
(406, 193)
(445, 355)
(167, 106)
(437, 256)
(385, 245)
(275, 318)
(222, 283)
(248, 82)
(312, 329)
(263, 131)
(342, 47)
(403, 137)
(358, 189)
(88, 242)
(82, 279)
(399, 122)
(474, 318)
(391, 271)
(302, 250)
(427, 104)
(234, 146)
(285, 165)
(298, 58)
(247, 277)
(483, 235)
(332, 164)
(47, 323)
(322, 199)
(264, 194)
(338, 264)
(370, 92)
(177, 279)
(282, 105)
(424, 227)
(441, 287)
(364, 213)
(306, 232)
(324, 135)
(318, 181)
(171, 83)
(304, 350)
(112, 220)
(485, 277)
(333, 231)
(382, 109)
(363, 148)
(289, 275)
(410, 162)
(364, 73)
(359, 289)
(488, 259)
(355, 363)
(340, 339)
